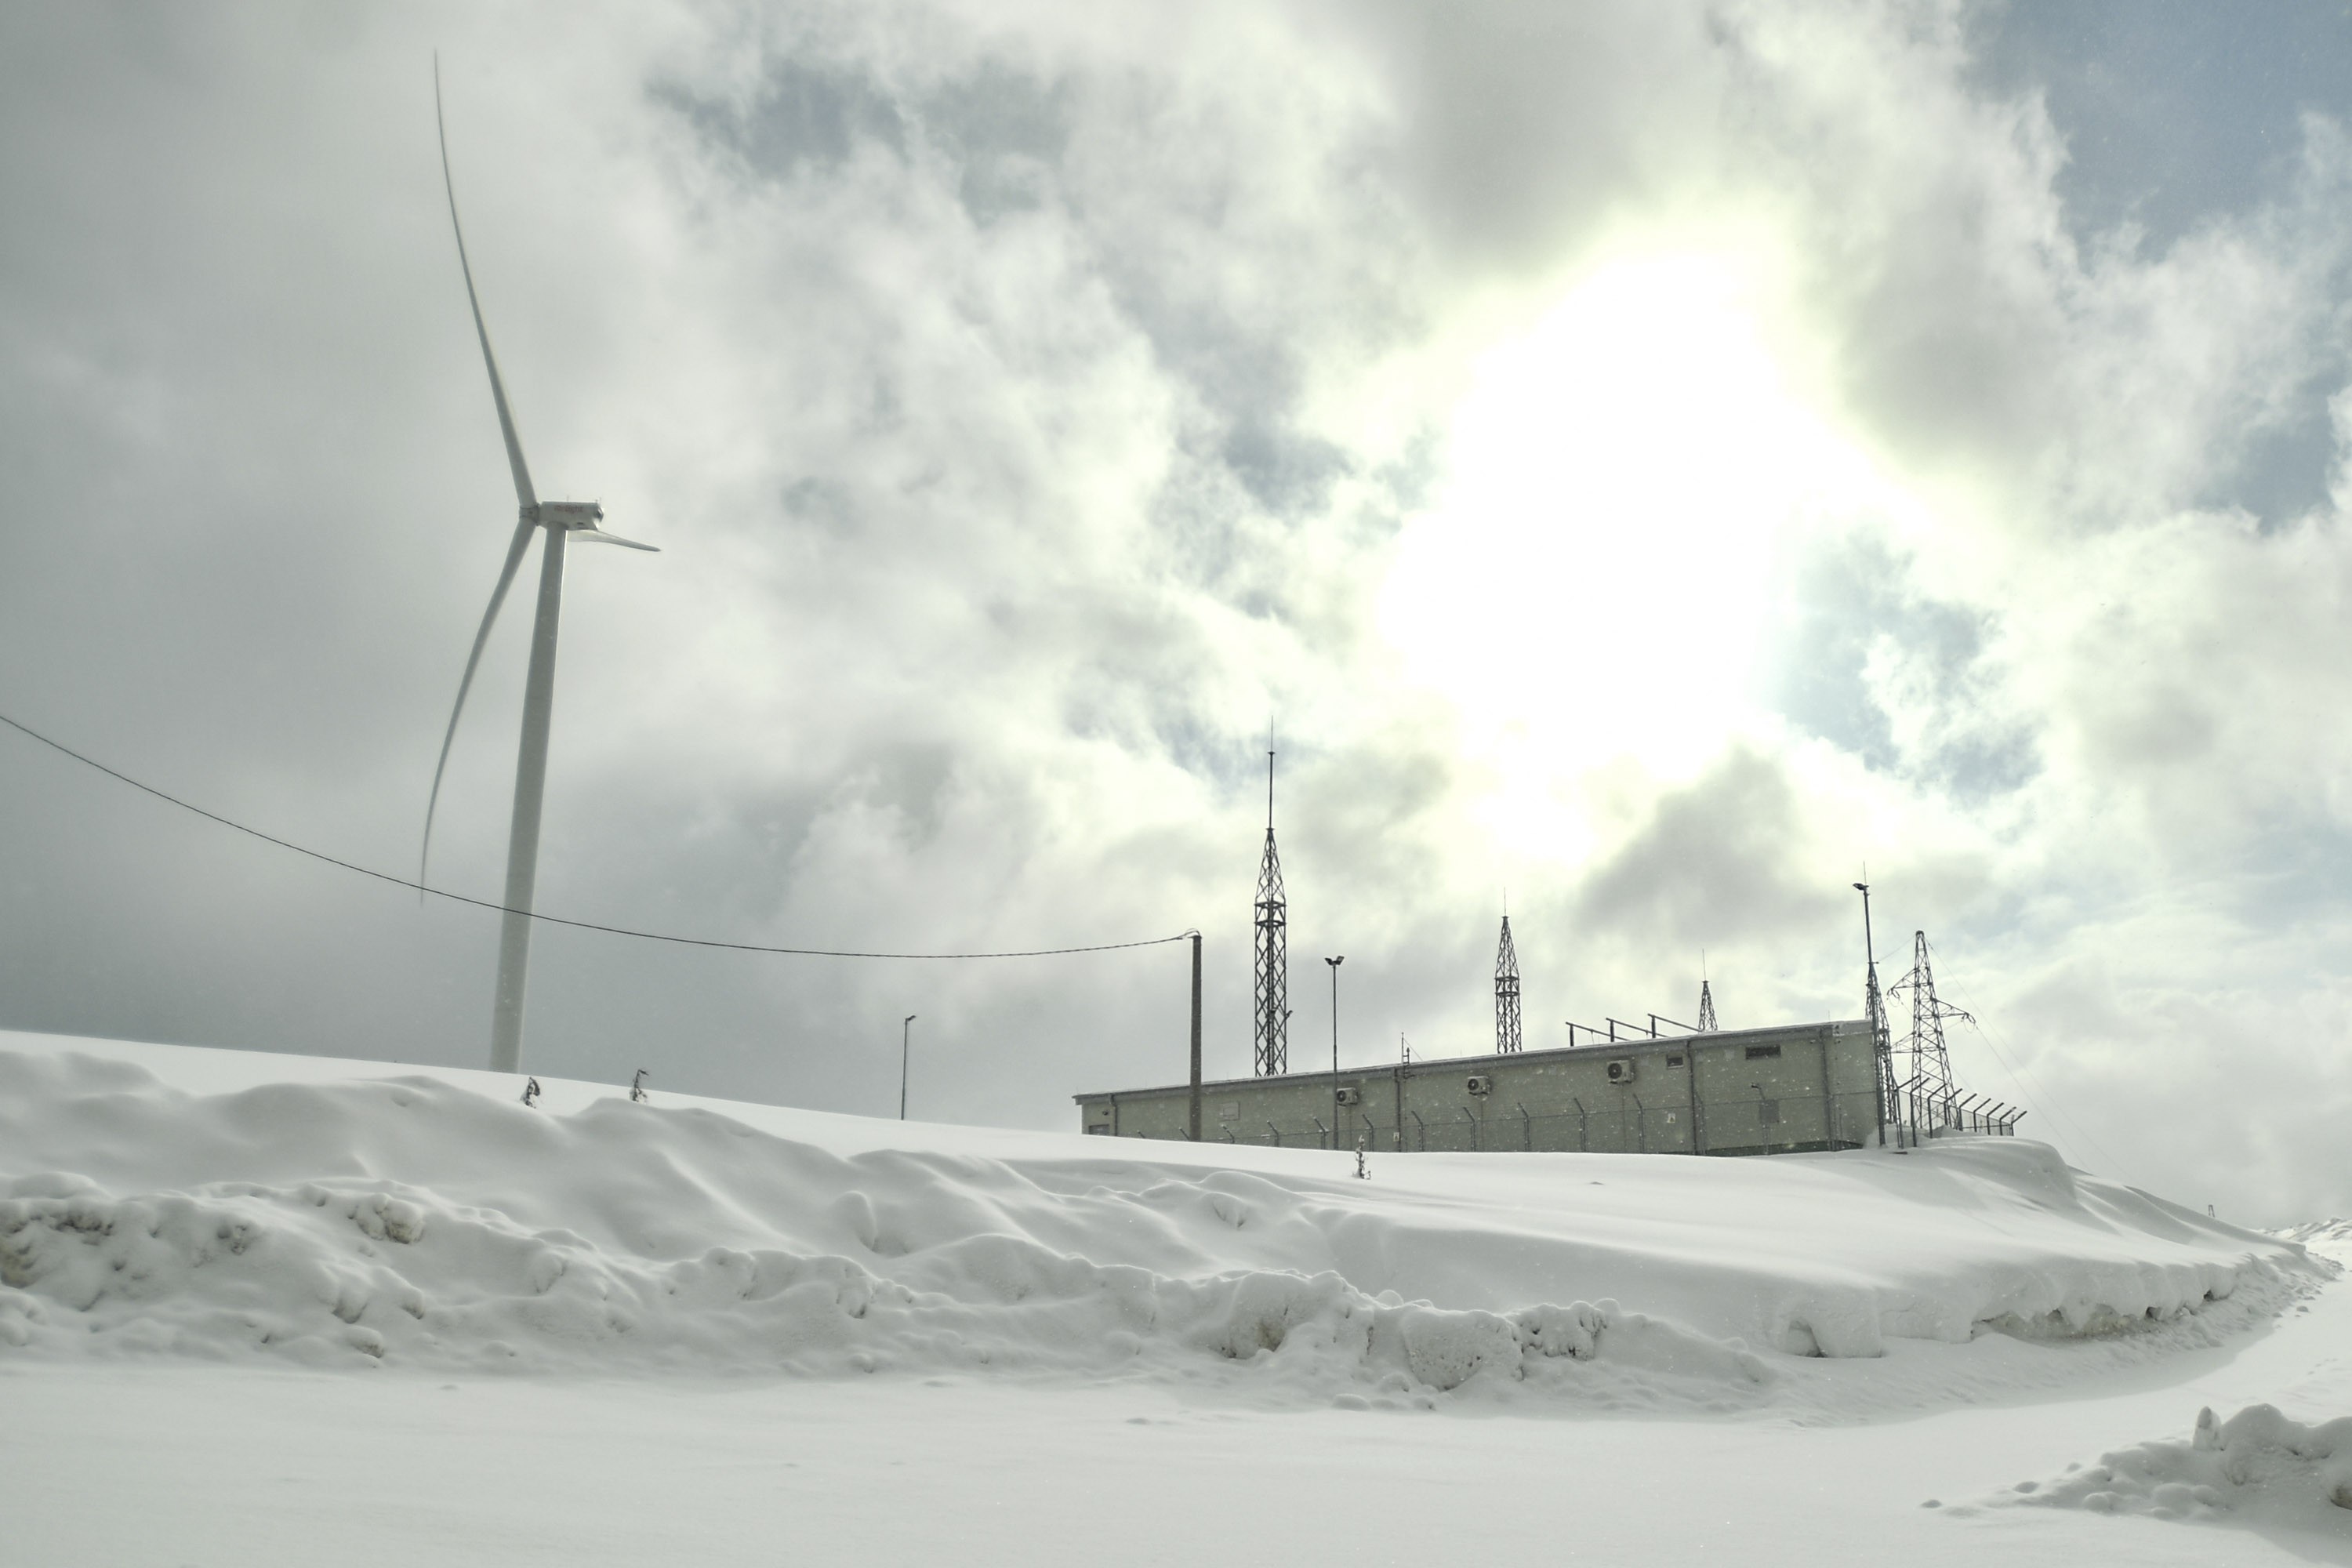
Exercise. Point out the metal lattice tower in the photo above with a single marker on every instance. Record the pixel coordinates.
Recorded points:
(1926, 1092)
(1506, 993)
(1706, 1024)
(1272, 1038)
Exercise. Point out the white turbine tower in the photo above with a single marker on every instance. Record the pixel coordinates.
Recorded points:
(563, 520)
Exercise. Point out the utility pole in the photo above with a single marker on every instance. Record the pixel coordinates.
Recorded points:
(906, 1033)
(1192, 1124)
(1335, 964)
(1882, 1049)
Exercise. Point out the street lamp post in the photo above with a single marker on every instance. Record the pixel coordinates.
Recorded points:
(1192, 1115)
(1335, 964)
(906, 1032)
(1874, 1004)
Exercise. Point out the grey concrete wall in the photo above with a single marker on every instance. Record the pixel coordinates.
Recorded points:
(1807, 1086)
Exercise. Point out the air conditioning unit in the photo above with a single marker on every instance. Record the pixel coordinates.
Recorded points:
(1480, 1083)
(1351, 1095)
(1621, 1071)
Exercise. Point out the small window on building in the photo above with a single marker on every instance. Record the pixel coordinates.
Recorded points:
(1229, 1110)
(1758, 1053)
(1102, 1127)
(1674, 1061)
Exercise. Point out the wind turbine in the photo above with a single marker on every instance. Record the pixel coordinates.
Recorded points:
(562, 519)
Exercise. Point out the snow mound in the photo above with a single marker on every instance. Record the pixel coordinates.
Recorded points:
(2256, 1467)
(328, 1270)
(413, 1221)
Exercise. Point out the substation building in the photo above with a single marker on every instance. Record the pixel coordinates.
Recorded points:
(1786, 1090)
(1780, 1090)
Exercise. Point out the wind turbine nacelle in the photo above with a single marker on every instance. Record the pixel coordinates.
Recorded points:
(568, 515)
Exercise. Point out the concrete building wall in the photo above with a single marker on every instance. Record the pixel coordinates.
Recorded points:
(1745, 1091)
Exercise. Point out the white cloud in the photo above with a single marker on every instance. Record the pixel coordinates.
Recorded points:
(1652, 458)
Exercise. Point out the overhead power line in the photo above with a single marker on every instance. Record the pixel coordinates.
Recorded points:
(31, 733)
(2018, 1069)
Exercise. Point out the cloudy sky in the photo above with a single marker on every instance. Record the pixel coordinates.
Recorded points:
(1647, 461)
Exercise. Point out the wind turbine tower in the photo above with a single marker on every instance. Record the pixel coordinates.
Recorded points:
(562, 520)
(1271, 1052)
(1506, 993)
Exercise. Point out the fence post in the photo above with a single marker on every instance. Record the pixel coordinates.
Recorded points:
(1583, 1127)
(1474, 1128)
(1273, 1135)
(1528, 1129)
(1420, 1126)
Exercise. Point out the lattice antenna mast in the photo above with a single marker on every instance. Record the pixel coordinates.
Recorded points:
(1706, 1024)
(1271, 1052)
(1927, 1093)
(1506, 994)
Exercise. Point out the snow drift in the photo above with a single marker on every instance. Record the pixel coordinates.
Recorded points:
(2256, 1467)
(413, 1221)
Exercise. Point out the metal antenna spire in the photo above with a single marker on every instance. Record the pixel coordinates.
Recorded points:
(1506, 993)
(1271, 1052)
(1927, 1093)
(1706, 1024)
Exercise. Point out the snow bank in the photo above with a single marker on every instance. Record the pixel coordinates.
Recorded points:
(2257, 1467)
(413, 1221)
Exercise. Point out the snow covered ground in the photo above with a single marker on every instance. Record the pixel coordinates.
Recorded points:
(260, 1309)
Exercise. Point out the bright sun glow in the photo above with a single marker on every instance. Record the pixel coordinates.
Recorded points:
(1596, 579)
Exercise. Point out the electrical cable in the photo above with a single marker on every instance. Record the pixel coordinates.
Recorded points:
(31, 733)
(2050, 1103)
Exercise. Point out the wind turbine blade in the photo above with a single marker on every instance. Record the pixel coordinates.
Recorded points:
(524, 495)
(523, 532)
(598, 536)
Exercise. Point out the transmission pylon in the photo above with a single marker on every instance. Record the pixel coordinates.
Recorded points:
(1506, 993)
(1926, 1092)
(1273, 1042)
(1706, 1024)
